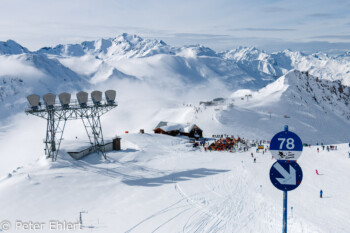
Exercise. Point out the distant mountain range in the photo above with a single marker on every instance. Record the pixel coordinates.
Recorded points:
(252, 65)
(90, 64)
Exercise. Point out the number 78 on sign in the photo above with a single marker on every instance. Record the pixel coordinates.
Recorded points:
(286, 145)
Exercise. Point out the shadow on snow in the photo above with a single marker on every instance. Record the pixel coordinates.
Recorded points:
(174, 177)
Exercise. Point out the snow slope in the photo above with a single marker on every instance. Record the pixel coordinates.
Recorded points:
(160, 184)
(317, 108)
(155, 88)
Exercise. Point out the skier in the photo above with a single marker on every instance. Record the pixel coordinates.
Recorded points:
(254, 160)
(321, 192)
(349, 154)
(318, 150)
(322, 147)
(251, 154)
(317, 172)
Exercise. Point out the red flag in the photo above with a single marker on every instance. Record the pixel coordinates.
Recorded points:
(316, 172)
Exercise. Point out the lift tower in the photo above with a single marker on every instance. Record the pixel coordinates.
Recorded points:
(89, 110)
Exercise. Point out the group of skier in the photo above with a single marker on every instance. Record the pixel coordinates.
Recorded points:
(227, 143)
(328, 148)
(331, 147)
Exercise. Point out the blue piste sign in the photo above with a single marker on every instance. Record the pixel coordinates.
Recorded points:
(286, 176)
(286, 145)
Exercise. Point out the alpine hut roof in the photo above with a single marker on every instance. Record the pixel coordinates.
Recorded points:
(169, 126)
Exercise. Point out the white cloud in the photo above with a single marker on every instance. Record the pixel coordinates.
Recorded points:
(14, 66)
(40, 23)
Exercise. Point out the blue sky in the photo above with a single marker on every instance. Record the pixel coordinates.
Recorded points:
(272, 25)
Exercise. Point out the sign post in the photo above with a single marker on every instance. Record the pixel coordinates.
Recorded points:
(285, 174)
(284, 227)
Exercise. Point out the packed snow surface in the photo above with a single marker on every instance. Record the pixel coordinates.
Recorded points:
(159, 183)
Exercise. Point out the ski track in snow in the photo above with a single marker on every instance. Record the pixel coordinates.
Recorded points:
(220, 213)
(157, 189)
(225, 212)
(159, 183)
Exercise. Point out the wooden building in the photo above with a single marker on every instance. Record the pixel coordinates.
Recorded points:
(175, 129)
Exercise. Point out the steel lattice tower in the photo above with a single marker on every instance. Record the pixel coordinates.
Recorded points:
(57, 114)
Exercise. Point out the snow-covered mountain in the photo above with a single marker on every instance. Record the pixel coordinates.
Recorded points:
(125, 45)
(176, 74)
(279, 63)
(11, 47)
(126, 57)
(27, 73)
(315, 107)
(153, 61)
(245, 67)
(256, 62)
(196, 191)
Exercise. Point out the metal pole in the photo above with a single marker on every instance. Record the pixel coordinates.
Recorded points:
(285, 204)
(80, 219)
(284, 227)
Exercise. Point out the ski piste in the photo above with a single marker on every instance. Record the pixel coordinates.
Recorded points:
(159, 183)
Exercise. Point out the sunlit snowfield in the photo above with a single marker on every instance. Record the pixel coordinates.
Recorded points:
(160, 183)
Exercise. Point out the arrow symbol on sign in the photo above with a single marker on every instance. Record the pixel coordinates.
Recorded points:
(289, 178)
